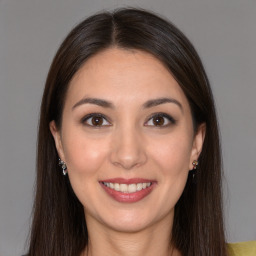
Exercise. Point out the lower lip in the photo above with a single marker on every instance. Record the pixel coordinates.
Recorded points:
(128, 197)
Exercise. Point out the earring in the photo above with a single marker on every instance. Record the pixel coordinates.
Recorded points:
(193, 171)
(63, 165)
(195, 164)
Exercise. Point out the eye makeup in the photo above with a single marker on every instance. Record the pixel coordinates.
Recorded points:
(95, 120)
(159, 120)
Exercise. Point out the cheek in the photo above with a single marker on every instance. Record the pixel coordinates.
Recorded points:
(84, 157)
(172, 159)
(172, 153)
(83, 154)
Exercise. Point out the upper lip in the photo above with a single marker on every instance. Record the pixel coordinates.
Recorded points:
(127, 181)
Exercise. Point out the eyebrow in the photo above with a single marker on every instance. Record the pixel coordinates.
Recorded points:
(156, 102)
(107, 104)
(99, 102)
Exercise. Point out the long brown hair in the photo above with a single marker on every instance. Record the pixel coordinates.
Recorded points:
(59, 227)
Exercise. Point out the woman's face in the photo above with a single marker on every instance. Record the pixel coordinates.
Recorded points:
(127, 139)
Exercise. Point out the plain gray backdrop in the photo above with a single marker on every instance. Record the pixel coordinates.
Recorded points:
(223, 32)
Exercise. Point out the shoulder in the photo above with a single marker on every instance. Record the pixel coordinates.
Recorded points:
(242, 249)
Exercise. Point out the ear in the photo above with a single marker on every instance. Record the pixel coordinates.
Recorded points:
(197, 144)
(57, 138)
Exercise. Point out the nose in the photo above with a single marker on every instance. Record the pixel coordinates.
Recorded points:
(128, 149)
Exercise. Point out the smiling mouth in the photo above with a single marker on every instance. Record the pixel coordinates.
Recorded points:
(127, 188)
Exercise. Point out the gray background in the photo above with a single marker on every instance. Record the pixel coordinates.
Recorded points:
(223, 32)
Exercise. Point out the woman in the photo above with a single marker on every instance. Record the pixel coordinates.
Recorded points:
(128, 158)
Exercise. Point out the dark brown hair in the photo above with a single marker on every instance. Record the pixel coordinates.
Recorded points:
(59, 227)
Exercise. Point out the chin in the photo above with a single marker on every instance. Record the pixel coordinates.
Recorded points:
(132, 221)
(132, 226)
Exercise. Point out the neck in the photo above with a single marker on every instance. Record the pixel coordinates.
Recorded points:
(151, 241)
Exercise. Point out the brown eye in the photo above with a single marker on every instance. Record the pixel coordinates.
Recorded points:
(158, 120)
(95, 120)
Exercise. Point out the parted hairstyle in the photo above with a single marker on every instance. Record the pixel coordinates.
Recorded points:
(59, 226)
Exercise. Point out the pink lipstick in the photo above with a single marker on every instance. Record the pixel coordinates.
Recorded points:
(128, 190)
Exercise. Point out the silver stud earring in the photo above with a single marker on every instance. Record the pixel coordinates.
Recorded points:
(63, 166)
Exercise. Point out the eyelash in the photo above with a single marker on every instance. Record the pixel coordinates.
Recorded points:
(97, 115)
(170, 120)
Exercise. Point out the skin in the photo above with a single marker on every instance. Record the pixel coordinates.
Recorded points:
(128, 144)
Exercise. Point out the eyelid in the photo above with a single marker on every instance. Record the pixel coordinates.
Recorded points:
(164, 115)
(170, 119)
(91, 115)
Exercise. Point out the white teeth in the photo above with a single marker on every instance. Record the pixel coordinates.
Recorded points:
(125, 188)
(139, 186)
(132, 188)
(116, 187)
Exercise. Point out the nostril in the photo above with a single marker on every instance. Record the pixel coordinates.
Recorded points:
(126, 164)
(128, 151)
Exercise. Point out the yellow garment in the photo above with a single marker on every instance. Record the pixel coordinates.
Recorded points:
(242, 249)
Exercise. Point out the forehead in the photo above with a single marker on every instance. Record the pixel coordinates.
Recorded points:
(124, 76)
